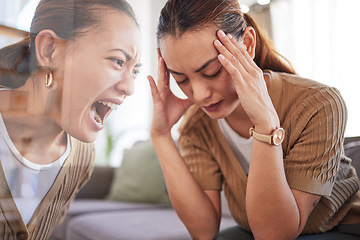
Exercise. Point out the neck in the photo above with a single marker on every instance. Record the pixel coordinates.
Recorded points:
(239, 121)
(38, 138)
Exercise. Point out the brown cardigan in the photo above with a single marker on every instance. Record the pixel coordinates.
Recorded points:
(314, 118)
(72, 176)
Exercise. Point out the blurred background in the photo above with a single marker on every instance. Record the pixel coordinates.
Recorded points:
(319, 37)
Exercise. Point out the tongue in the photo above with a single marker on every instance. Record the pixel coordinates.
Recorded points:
(100, 112)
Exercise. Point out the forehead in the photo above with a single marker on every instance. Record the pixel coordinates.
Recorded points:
(191, 49)
(115, 30)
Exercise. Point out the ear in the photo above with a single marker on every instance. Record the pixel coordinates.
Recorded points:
(47, 48)
(249, 39)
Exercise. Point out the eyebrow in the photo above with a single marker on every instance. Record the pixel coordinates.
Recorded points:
(197, 70)
(127, 55)
(206, 64)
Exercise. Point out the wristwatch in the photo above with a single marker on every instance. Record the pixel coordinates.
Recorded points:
(276, 138)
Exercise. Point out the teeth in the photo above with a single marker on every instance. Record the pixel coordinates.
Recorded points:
(113, 106)
(98, 118)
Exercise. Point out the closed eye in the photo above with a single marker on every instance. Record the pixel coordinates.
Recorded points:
(181, 82)
(214, 75)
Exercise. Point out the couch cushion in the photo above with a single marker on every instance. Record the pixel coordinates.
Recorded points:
(99, 184)
(88, 206)
(139, 177)
(142, 224)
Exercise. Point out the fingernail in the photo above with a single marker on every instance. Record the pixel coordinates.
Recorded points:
(217, 43)
(221, 57)
(229, 35)
(221, 33)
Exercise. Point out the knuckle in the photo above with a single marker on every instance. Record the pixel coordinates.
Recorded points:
(234, 59)
(234, 72)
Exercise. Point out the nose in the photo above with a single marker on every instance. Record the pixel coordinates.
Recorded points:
(126, 84)
(201, 90)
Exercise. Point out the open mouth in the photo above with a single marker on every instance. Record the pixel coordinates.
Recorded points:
(102, 109)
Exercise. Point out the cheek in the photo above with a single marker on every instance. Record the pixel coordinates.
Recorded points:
(225, 84)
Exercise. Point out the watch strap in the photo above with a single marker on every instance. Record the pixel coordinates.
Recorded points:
(260, 137)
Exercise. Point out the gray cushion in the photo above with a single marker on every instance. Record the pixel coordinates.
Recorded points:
(143, 224)
(99, 184)
(149, 224)
(88, 206)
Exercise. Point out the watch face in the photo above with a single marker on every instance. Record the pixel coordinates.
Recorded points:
(279, 135)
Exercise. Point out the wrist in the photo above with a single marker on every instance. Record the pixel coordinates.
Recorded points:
(156, 137)
(276, 137)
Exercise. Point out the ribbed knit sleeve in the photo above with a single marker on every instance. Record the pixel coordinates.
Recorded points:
(314, 116)
(317, 130)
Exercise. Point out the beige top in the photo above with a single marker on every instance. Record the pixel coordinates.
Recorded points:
(73, 175)
(314, 118)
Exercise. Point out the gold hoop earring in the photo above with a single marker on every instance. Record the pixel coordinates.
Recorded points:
(48, 79)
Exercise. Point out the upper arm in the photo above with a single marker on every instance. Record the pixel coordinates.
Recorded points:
(306, 203)
(313, 153)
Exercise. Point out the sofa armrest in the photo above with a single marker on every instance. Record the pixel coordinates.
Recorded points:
(99, 184)
(352, 150)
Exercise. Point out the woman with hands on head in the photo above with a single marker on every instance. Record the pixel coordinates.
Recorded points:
(56, 89)
(272, 139)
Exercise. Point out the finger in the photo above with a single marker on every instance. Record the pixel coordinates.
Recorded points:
(231, 69)
(153, 88)
(232, 64)
(158, 52)
(233, 53)
(164, 78)
(242, 46)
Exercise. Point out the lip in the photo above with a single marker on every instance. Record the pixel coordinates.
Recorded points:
(213, 107)
(117, 101)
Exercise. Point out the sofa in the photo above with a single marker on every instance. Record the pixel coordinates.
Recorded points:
(131, 202)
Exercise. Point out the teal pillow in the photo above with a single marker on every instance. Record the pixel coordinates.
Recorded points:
(139, 177)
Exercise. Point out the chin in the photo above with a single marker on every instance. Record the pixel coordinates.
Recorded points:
(216, 115)
(88, 137)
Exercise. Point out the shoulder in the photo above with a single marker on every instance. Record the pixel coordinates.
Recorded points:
(295, 86)
(303, 98)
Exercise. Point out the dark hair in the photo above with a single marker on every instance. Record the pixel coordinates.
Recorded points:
(67, 18)
(180, 16)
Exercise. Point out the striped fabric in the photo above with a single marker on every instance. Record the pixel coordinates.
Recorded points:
(73, 175)
(314, 118)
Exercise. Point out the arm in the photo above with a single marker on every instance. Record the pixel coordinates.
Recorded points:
(274, 210)
(199, 210)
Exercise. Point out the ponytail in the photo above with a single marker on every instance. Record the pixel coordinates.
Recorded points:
(14, 64)
(266, 57)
